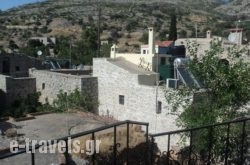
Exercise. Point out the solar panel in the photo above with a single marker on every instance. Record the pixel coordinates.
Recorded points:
(187, 78)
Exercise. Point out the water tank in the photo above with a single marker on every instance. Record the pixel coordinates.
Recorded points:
(178, 62)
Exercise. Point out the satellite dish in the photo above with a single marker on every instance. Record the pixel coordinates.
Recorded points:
(232, 37)
(39, 52)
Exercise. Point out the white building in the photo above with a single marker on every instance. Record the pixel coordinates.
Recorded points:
(142, 60)
(45, 40)
(129, 89)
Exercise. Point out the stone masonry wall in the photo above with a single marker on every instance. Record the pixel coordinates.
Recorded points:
(139, 100)
(12, 89)
(50, 83)
(19, 88)
(2, 91)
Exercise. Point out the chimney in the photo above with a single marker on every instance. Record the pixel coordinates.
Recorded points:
(151, 45)
(208, 34)
(113, 51)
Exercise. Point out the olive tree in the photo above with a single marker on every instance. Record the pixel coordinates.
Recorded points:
(224, 96)
(226, 90)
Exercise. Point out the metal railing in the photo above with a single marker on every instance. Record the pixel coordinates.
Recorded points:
(222, 143)
(94, 158)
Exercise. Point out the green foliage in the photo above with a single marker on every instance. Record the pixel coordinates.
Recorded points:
(33, 46)
(13, 45)
(173, 28)
(144, 38)
(131, 25)
(105, 50)
(163, 35)
(86, 48)
(62, 47)
(22, 107)
(75, 100)
(226, 90)
(226, 86)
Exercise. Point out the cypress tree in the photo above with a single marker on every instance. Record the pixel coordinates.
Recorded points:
(172, 28)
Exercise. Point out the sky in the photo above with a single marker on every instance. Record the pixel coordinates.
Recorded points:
(7, 4)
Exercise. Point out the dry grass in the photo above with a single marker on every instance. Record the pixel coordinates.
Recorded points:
(136, 136)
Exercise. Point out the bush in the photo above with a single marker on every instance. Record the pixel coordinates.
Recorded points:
(75, 100)
(30, 104)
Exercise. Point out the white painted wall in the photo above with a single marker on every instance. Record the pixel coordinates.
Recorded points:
(146, 59)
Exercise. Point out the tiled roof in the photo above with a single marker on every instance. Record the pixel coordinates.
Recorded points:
(163, 43)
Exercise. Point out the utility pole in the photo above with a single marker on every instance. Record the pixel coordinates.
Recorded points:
(99, 20)
(70, 58)
(196, 30)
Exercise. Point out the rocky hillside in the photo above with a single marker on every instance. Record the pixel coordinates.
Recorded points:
(122, 21)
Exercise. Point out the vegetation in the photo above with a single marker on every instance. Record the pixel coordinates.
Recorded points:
(225, 83)
(63, 102)
(144, 38)
(223, 98)
(173, 29)
(20, 108)
(33, 47)
(86, 48)
(75, 100)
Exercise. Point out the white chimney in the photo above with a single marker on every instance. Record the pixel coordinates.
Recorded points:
(208, 34)
(151, 45)
(113, 51)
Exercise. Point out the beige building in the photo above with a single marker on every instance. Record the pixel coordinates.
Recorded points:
(145, 61)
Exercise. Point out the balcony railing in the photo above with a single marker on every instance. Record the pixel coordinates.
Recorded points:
(222, 143)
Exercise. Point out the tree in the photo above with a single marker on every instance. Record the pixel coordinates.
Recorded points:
(224, 96)
(87, 46)
(131, 25)
(33, 46)
(62, 46)
(144, 38)
(21, 107)
(173, 28)
(13, 45)
(225, 84)
(163, 35)
(75, 99)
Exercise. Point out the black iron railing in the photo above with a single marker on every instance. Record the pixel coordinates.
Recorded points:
(95, 158)
(224, 143)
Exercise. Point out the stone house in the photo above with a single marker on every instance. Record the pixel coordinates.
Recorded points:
(50, 82)
(128, 92)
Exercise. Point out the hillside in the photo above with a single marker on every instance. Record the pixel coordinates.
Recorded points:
(122, 21)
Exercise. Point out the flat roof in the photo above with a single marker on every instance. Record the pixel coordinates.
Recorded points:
(129, 66)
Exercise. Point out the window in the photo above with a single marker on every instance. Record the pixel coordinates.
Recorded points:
(43, 86)
(46, 100)
(163, 61)
(17, 68)
(144, 51)
(121, 99)
(158, 107)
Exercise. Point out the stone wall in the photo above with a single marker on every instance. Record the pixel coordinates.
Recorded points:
(2, 91)
(19, 88)
(12, 89)
(139, 100)
(50, 83)
(18, 65)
